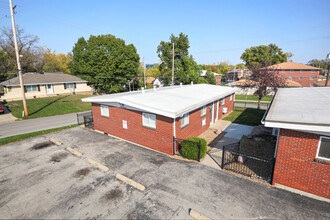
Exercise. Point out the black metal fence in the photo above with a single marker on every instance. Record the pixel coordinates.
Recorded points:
(86, 118)
(177, 145)
(245, 164)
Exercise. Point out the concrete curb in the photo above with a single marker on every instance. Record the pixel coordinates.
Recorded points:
(100, 166)
(197, 215)
(130, 182)
(73, 151)
(56, 142)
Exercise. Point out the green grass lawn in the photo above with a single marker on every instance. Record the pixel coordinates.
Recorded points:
(57, 105)
(253, 97)
(21, 137)
(246, 116)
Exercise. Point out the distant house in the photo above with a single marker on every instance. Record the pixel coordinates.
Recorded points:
(158, 82)
(38, 85)
(217, 76)
(302, 120)
(152, 118)
(321, 83)
(301, 73)
(237, 74)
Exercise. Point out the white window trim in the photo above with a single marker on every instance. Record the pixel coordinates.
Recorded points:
(318, 149)
(231, 98)
(223, 101)
(148, 125)
(31, 86)
(69, 87)
(102, 113)
(186, 123)
(203, 111)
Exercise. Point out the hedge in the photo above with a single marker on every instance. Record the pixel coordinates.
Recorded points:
(190, 150)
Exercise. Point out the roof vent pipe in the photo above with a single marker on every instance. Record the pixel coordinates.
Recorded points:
(180, 84)
(142, 90)
(192, 83)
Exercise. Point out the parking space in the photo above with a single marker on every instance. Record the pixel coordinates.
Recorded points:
(46, 181)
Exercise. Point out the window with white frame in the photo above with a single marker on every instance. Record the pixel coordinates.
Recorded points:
(312, 78)
(223, 101)
(290, 77)
(32, 88)
(300, 77)
(149, 120)
(203, 111)
(185, 120)
(69, 85)
(231, 98)
(105, 110)
(323, 150)
(203, 122)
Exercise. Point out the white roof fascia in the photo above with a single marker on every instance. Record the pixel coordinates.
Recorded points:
(142, 107)
(301, 127)
(33, 84)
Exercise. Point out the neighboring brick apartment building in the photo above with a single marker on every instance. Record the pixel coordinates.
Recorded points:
(301, 73)
(153, 117)
(237, 74)
(217, 76)
(302, 118)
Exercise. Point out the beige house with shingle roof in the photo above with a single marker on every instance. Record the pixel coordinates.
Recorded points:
(37, 85)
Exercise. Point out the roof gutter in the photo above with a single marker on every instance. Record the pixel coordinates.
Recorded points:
(270, 105)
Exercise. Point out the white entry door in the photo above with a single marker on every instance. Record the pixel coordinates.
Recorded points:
(49, 88)
(212, 114)
(217, 110)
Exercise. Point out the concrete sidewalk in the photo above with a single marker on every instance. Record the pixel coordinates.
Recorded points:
(38, 124)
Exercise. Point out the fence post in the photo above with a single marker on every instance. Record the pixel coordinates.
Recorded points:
(199, 151)
(223, 155)
(77, 118)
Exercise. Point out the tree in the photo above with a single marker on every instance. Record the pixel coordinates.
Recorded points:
(265, 80)
(209, 76)
(323, 64)
(31, 54)
(185, 67)
(105, 61)
(263, 54)
(56, 62)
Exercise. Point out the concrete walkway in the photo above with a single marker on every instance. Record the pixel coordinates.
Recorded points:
(6, 116)
(38, 124)
(234, 133)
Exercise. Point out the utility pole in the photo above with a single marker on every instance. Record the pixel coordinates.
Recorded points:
(173, 66)
(144, 73)
(327, 79)
(17, 58)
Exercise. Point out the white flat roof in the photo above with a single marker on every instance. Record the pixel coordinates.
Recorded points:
(306, 109)
(168, 101)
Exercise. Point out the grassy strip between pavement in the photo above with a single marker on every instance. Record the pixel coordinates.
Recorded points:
(246, 116)
(56, 105)
(253, 97)
(21, 137)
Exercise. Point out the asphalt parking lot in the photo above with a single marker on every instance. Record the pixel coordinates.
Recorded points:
(40, 181)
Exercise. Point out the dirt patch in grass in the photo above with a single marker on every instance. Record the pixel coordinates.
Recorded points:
(42, 145)
(113, 195)
(82, 172)
(58, 157)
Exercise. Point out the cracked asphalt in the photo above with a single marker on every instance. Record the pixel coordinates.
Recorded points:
(48, 182)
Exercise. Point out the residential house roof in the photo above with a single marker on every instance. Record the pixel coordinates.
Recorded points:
(43, 78)
(244, 82)
(150, 79)
(203, 73)
(293, 65)
(321, 83)
(171, 101)
(305, 109)
(291, 83)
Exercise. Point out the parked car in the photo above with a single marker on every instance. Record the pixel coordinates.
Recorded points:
(2, 108)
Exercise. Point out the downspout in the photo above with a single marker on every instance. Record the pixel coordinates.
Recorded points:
(174, 136)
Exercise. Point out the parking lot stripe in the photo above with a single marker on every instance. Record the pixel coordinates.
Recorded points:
(102, 167)
(56, 142)
(197, 215)
(130, 182)
(75, 152)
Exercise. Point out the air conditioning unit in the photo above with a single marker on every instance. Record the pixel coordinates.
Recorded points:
(224, 110)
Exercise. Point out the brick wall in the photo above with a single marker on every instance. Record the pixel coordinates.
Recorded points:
(161, 138)
(305, 75)
(218, 79)
(295, 166)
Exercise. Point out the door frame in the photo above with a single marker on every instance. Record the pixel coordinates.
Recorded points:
(212, 114)
(51, 87)
(217, 110)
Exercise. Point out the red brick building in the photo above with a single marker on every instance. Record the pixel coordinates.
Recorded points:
(152, 118)
(237, 74)
(301, 73)
(301, 116)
